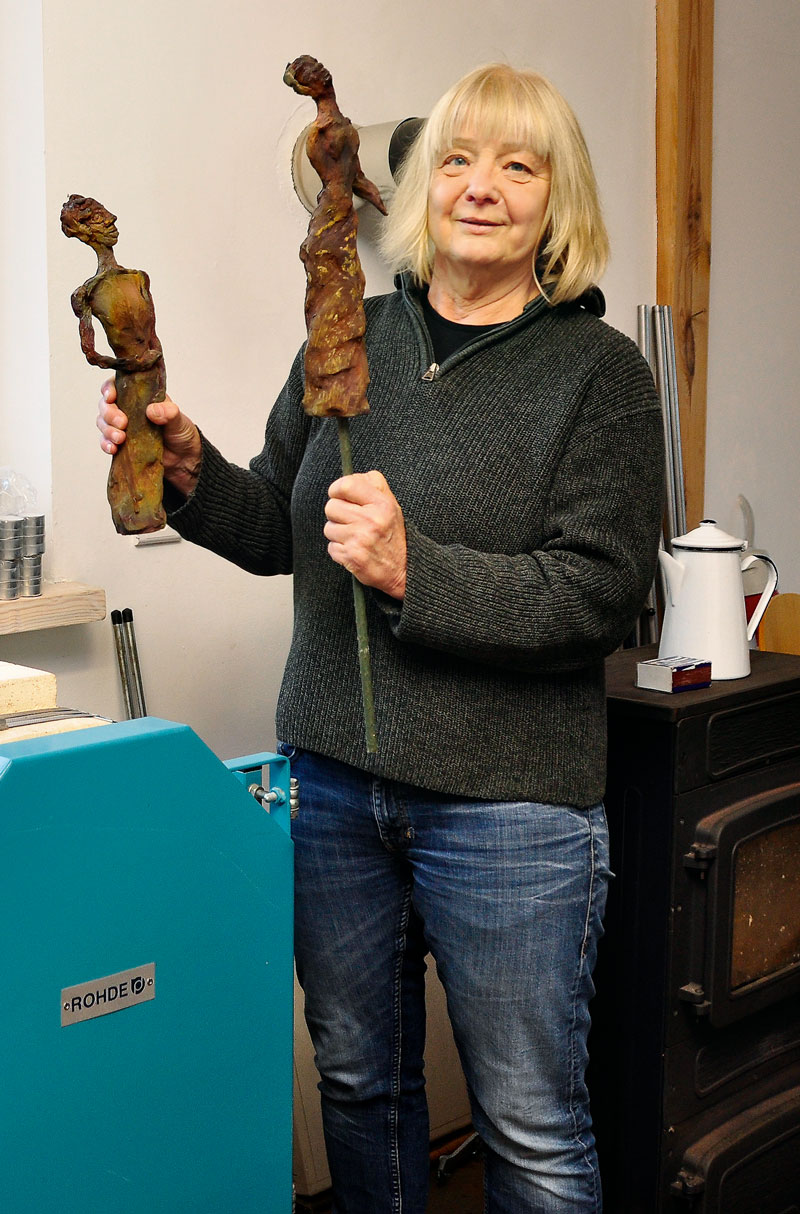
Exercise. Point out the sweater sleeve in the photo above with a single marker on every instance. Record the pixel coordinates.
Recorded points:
(243, 514)
(574, 598)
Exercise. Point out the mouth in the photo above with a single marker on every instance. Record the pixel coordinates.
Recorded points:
(479, 224)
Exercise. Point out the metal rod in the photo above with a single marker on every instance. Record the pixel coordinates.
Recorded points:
(132, 654)
(119, 646)
(662, 384)
(360, 605)
(675, 421)
(644, 332)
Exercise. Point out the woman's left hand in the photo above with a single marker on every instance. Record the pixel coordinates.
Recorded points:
(366, 531)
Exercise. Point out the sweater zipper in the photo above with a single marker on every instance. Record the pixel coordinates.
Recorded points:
(432, 371)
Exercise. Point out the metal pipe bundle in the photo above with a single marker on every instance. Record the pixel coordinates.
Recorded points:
(657, 344)
(656, 340)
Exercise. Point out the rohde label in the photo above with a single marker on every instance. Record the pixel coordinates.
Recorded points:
(106, 995)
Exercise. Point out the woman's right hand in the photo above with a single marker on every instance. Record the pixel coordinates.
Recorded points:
(183, 450)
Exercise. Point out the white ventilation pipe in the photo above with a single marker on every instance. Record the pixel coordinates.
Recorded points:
(382, 148)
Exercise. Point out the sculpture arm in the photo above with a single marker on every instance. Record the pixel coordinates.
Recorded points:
(108, 362)
(367, 190)
(81, 308)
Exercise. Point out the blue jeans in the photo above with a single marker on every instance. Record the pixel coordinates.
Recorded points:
(508, 898)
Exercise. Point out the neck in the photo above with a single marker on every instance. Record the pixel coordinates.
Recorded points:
(105, 258)
(480, 299)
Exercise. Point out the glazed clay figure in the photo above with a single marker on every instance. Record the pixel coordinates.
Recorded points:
(335, 360)
(120, 299)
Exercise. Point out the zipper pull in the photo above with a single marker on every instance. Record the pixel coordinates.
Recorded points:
(431, 372)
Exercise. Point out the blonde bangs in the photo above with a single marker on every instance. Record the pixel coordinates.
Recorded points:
(498, 110)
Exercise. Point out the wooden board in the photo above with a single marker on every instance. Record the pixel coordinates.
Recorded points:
(59, 603)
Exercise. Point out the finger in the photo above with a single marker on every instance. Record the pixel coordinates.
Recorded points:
(107, 407)
(338, 553)
(111, 424)
(335, 533)
(360, 487)
(110, 439)
(162, 412)
(342, 510)
(110, 417)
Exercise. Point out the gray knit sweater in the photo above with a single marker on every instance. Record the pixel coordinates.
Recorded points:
(529, 468)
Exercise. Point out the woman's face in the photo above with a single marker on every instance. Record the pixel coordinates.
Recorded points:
(486, 206)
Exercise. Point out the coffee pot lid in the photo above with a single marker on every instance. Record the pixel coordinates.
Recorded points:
(708, 537)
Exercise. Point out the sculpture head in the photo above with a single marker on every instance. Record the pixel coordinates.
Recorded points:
(89, 220)
(307, 76)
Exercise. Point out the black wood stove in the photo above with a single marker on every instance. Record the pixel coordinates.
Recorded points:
(695, 1047)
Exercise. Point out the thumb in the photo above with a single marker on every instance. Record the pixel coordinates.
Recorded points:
(377, 479)
(156, 412)
(163, 412)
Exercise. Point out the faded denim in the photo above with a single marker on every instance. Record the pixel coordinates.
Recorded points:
(508, 898)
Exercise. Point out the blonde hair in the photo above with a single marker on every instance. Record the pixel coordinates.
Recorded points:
(499, 102)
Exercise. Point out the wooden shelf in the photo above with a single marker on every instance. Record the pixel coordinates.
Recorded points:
(60, 603)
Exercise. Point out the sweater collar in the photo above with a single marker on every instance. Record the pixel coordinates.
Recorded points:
(592, 300)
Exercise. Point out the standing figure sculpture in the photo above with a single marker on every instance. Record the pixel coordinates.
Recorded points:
(335, 360)
(120, 299)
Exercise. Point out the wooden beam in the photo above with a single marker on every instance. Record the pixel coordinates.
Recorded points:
(684, 110)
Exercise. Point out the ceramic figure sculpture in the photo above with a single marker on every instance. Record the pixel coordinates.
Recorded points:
(120, 300)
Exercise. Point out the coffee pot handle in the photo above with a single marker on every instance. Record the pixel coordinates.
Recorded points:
(767, 593)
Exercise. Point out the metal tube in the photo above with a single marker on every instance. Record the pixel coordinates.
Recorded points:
(644, 331)
(675, 421)
(132, 654)
(119, 646)
(659, 343)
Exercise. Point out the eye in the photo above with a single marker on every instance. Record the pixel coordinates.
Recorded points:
(518, 169)
(454, 162)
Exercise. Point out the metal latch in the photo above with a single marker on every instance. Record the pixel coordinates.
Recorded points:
(687, 1184)
(700, 856)
(694, 994)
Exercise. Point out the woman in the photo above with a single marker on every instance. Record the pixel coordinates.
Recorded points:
(508, 533)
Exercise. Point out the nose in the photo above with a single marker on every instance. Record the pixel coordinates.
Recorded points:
(481, 186)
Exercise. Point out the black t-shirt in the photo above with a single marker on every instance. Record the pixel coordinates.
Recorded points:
(448, 336)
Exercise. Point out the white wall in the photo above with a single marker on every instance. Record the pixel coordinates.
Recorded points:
(24, 386)
(754, 351)
(175, 116)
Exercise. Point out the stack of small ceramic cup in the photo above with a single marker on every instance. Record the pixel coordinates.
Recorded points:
(21, 538)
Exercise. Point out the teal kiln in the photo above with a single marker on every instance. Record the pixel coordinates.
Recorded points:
(146, 1011)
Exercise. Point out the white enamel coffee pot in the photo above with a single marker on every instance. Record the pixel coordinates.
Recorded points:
(704, 614)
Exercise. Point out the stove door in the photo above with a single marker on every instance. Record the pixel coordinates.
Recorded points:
(742, 891)
(746, 1164)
